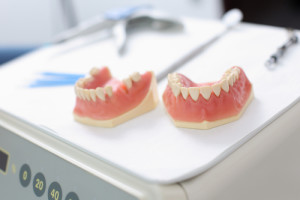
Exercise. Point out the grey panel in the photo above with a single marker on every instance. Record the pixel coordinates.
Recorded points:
(57, 173)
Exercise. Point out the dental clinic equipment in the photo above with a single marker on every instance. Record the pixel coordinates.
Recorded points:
(121, 22)
(273, 60)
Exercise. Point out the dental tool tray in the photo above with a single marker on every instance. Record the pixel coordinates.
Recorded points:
(150, 146)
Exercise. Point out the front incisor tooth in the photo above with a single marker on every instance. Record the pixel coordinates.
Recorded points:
(135, 76)
(217, 89)
(184, 92)
(108, 90)
(100, 93)
(194, 93)
(127, 82)
(224, 85)
(87, 94)
(205, 91)
(93, 94)
(175, 89)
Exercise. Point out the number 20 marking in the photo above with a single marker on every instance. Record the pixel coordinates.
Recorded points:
(39, 184)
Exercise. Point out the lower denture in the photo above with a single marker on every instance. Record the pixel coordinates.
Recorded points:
(105, 101)
(209, 104)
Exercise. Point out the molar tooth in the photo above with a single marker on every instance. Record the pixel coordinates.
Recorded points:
(175, 89)
(86, 93)
(94, 71)
(100, 93)
(108, 90)
(217, 89)
(224, 85)
(194, 93)
(80, 82)
(135, 76)
(173, 79)
(176, 79)
(184, 92)
(127, 82)
(205, 91)
(93, 94)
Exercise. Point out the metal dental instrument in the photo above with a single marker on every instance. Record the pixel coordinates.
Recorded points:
(98, 23)
(293, 39)
(121, 24)
(230, 19)
(153, 20)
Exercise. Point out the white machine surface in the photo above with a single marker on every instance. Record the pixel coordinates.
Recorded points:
(150, 148)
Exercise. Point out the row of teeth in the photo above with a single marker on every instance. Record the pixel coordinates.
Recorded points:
(100, 92)
(228, 79)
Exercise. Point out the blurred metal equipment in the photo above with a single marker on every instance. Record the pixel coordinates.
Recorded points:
(121, 22)
(68, 12)
(230, 19)
(273, 60)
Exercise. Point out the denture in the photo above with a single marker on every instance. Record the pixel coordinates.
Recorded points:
(207, 105)
(102, 100)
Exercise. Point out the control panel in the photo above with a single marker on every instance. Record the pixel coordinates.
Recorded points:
(28, 171)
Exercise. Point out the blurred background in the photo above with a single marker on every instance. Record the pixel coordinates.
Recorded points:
(28, 24)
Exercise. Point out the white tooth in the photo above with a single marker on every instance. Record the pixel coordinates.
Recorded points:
(194, 93)
(135, 76)
(205, 91)
(227, 72)
(93, 94)
(184, 92)
(100, 93)
(224, 85)
(236, 74)
(108, 90)
(94, 71)
(237, 69)
(127, 82)
(230, 79)
(175, 78)
(233, 77)
(81, 93)
(170, 80)
(80, 82)
(175, 89)
(87, 94)
(76, 91)
(216, 88)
